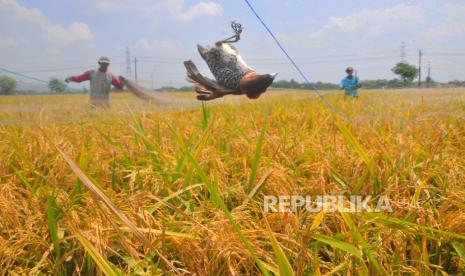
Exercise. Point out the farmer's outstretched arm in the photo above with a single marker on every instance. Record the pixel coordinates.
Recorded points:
(341, 84)
(79, 78)
(116, 82)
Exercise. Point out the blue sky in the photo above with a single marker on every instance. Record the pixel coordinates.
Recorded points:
(52, 38)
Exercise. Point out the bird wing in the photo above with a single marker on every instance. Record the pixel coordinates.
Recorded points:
(229, 52)
(206, 87)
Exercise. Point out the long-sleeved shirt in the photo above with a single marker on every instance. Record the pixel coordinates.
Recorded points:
(86, 76)
(350, 85)
(100, 85)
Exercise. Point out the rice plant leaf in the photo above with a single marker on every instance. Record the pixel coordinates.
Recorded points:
(336, 177)
(360, 182)
(285, 267)
(21, 177)
(173, 195)
(105, 137)
(410, 227)
(163, 232)
(53, 212)
(217, 199)
(256, 158)
(351, 140)
(237, 127)
(344, 246)
(205, 115)
(104, 265)
(97, 193)
(258, 187)
(103, 198)
(460, 250)
(365, 246)
(317, 220)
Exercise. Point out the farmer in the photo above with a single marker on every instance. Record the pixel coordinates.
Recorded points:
(350, 84)
(100, 83)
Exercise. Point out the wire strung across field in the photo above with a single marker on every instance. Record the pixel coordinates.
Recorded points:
(299, 70)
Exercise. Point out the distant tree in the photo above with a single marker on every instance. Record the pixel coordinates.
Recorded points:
(395, 83)
(429, 81)
(456, 83)
(57, 86)
(168, 88)
(325, 86)
(406, 72)
(186, 88)
(7, 85)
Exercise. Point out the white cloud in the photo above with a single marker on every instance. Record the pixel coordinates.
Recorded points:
(76, 32)
(16, 11)
(209, 9)
(155, 46)
(287, 38)
(177, 8)
(372, 21)
(143, 6)
(373, 37)
(452, 23)
(6, 41)
(54, 34)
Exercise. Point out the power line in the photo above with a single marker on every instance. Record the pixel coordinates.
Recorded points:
(310, 85)
(60, 68)
(180, 59)
(254, 61)
(278, 62)
(453, 54)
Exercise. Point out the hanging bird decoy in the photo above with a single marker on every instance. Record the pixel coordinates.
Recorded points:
(233, 76)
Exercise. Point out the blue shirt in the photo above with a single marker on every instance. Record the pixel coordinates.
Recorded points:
(350, 86)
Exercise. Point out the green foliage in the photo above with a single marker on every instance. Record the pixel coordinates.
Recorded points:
(57, 86)
(429, 81)
(456, 83)
(7, 85)
(187, 88)
(53, 213)
(287, 84)
(406, 71)
(293, 84)
(181, 176)
(326, 85)
(382, 83)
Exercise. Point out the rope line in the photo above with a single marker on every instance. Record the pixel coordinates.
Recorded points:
(299, 70)
(22, 75)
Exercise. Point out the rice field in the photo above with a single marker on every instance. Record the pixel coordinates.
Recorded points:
(141, 189)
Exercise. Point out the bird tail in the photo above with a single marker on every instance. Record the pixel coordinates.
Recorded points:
(203, 84)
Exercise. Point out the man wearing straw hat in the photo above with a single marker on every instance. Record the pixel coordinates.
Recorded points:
(101, 80)
(350, 84)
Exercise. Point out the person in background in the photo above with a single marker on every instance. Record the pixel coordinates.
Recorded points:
(101, 80)
(350, 84)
